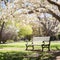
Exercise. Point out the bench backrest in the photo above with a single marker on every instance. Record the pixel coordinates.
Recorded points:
(37, 40)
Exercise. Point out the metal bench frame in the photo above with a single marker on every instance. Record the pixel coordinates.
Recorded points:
(42, 41)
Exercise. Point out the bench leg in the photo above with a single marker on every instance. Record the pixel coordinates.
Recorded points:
(49, 48)
(26, 47)
(42, 47)
(32, 47)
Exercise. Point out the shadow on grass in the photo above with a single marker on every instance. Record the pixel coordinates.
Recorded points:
(33, 55)
(47, 55)
(12, 55)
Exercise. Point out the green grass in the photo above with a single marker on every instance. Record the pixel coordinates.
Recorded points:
(55, 45)
(21, 46)
(16, 51)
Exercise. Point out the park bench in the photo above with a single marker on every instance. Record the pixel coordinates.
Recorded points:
(44, 42)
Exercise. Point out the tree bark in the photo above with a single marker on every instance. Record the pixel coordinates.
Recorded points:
(54, 15)
(54, 3)
(2, 26)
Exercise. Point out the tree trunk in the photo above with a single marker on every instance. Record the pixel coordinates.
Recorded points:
(2, 26)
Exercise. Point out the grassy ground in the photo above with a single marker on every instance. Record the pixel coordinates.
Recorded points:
(20, 46)
(14, 51)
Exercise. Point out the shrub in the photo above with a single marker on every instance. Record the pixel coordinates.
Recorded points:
(25, 31)
(9, 35)
(52, 38)
(28, 37)
(59, 36)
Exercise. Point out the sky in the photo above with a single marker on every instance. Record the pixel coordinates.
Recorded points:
(3, 4)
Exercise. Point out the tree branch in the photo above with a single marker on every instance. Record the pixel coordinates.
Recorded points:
(51, 12)
(54, 3)
(54, 15)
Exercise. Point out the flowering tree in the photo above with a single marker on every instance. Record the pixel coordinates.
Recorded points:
(29, 12)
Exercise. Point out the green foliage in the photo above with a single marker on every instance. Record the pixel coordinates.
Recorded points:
(25, 30)
(59, 35)
(23, 56)
(12, 55)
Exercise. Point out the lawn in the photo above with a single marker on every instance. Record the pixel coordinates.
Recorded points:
(20, 46)
(16, 51)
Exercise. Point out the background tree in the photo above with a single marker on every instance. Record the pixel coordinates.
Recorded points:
(28, 12)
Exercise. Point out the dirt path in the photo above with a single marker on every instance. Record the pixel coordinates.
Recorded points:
(58, 58)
